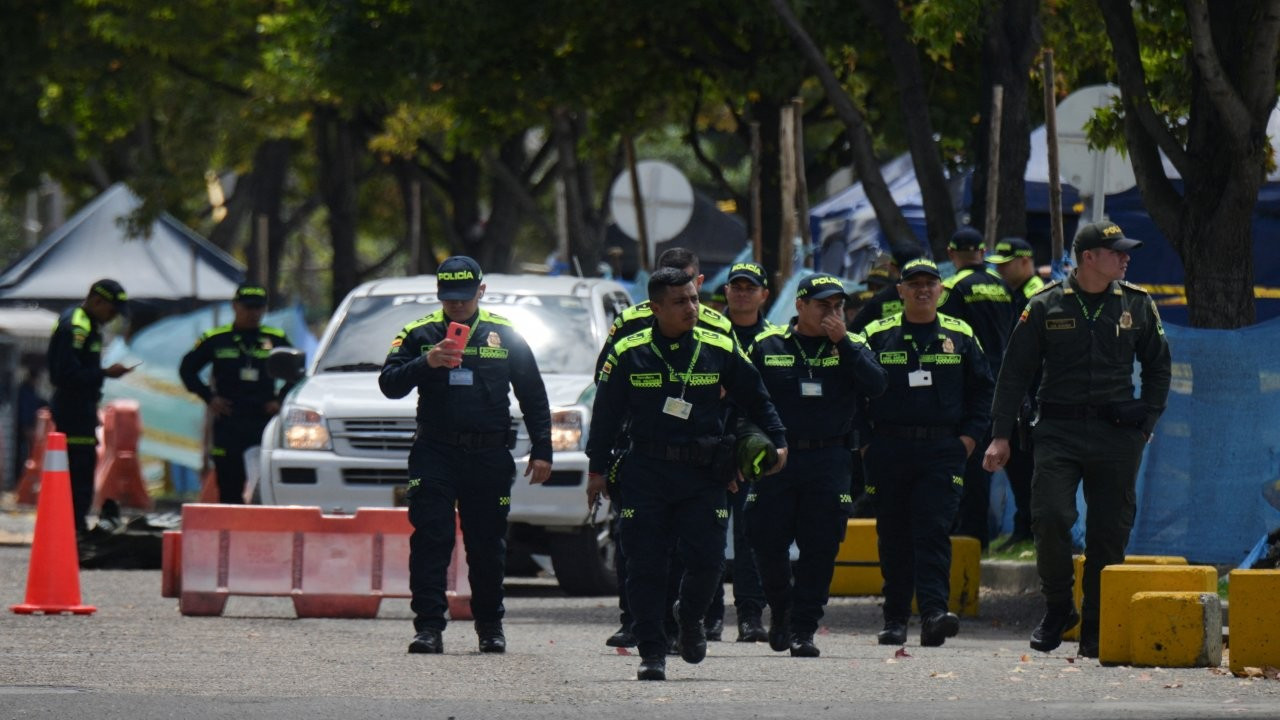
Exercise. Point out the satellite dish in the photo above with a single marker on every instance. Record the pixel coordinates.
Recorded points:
(1091, 172)
(667, 198)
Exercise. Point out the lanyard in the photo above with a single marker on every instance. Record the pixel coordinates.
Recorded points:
(1096, 311)
(816, 355)
(697, 348)
(919, 350)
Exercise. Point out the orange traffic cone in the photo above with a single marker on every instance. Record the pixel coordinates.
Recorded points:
(53, 577)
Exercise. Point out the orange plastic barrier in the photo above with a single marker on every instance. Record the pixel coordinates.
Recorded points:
(29, 485)
(119, 476)
(209, 485)
(333, 566)
(53, 575)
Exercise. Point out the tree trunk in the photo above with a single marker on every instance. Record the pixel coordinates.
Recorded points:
(505, 215)
(270, 169)
(766, 113)
(336, 147)
(584, 244)
(1011, 42)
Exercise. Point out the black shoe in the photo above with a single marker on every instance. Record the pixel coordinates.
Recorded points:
(623, 638)
(491, 638)
(1088, 644)
(652, 669)
(780, 630)
(427, 641)
(1057, 620)
(673, 643)
(936, 628)
(802, 646)
(750, 630)
(714, 630)
(894, 633)
(692, 639)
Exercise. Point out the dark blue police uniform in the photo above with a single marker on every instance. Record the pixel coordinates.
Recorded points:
(75, 369)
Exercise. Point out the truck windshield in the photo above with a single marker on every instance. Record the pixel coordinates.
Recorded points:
(557, 328)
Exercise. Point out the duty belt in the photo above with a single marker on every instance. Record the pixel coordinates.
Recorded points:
(1064, 411)
(473, 441)
(795, 443)
(916, 432)
(692, 453)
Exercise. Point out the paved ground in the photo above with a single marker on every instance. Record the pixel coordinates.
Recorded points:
(138, 657)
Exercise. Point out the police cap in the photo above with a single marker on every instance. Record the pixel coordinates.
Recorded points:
(818, 286)
(749, 271)
(920, 266)
(113, 292)
(966, 238)
(1104, 235)
(1010, 249)
(251, 295)
(458, 277)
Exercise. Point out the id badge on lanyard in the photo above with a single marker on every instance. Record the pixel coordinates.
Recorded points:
(810, 387)
(677, 407)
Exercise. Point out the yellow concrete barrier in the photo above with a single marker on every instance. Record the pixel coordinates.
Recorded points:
(1175, 629)
(1255, 634)
(1121, 582)
(1078, 592)
(857, 570)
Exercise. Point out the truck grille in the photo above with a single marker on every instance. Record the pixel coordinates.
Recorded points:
(375, 476)
(378, 437)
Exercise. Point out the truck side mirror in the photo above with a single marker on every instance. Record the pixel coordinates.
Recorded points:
(287, 364)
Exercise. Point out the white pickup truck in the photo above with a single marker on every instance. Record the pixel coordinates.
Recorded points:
(338, 443)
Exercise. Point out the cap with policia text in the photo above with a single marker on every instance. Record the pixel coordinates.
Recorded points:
(966, 238)
(458, 278)
(749, 271)
(251, 295)
(1010, 249)
(1104, 235)
(818, 286)
(113, 292)
(920, 266)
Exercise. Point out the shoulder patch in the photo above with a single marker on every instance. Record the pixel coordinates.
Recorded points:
(268, 330)
(632, 341)
(1130, 286)
(714, 320)
(494, 318)
(1048, 286)
(876, 326)
(437, 316)
(712, 337)
(219, 330)
(956, 324)
(769, 331)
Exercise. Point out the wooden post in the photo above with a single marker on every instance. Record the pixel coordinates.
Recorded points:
(1051, 139)
(637, 203)
(787, 180)
(757, 241)
(415, 226)
(802, 185)
(263, 229)
(992, 224)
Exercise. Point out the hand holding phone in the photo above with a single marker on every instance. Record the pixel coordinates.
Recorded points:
(457, 334)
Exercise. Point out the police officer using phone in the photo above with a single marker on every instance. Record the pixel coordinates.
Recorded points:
(461, 454)
(922, 429)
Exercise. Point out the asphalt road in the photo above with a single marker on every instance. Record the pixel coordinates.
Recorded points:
(137, 657)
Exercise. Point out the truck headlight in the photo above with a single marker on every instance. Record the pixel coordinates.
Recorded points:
(566, 429)
(304, 429)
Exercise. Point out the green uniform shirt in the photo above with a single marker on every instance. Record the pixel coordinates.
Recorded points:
(1086, 345)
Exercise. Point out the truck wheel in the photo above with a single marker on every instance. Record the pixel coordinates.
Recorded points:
(584, 561)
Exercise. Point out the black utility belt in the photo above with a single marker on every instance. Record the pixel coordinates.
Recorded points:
(1127, 413)
(916, 432)
(697, 454)
(472, 441)
(796, 443)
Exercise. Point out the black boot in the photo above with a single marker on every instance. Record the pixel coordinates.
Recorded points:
(693, 638)
(428, 642)
(802, 646)
(623, 638)
(751, 630)
(779, 630)
(1057, 620)
(654, 668)
(491, 638)
(714, 630)
(935, 629)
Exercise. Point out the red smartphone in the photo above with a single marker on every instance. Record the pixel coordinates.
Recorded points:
(458, 333)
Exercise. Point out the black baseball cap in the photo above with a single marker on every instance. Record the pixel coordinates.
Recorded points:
(749, 271)
(1103, 235)
(251, 295)
(879, 275)
(966, 238)
(113, 292)
(920, 266)
(820, 285)
(458, 277)
(1010, 249)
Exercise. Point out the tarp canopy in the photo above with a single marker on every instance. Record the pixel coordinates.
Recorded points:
(717, 238)
(172, 264)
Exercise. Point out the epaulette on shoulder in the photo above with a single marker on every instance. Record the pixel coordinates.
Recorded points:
(219, 330)
(494, 318)
(883, 324)
(954, 323)
(437, 316)
(1047, 286)
(715, 319)
(712, 337)
(634, 340)
(768, 332)
(269, 330)
(635, 312)
(1130, 286)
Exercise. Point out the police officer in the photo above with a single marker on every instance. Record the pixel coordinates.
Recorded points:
(977, 295)
(1015, 261)
(923, 428)
(242, 397)
(461, 453)
(884, 301)
(814, 370)
(666, 381)
(75, 369)
(632, 320)
(1083, 335)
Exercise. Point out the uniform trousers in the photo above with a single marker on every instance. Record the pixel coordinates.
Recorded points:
(82, 463)
(972, 519)
(665, 501)
(1019, 468)
(1106, 459)
(748, 596)
(808, 503)
(918, 485)
(478, 482)
(232, 436)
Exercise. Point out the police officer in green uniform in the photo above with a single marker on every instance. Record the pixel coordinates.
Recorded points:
(923, 427)
(632, 320)
(242, 397)
(1083, 335)
(461, 454)
(1015, 261)
(666, 382)
(815, 372)
(977, 295)
(75, 369)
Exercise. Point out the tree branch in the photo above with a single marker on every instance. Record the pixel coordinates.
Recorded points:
(691, 138)
(1235, 117)
(516, 186)
(1260, 68)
